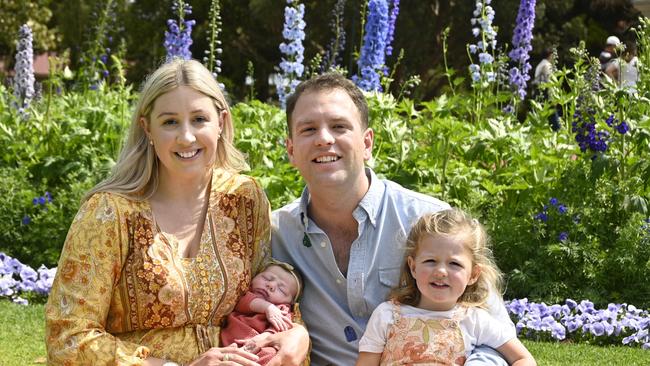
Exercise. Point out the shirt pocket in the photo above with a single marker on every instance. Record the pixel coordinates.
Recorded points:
(389, 276)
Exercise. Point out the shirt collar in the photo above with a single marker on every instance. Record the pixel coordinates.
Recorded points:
(370, 203)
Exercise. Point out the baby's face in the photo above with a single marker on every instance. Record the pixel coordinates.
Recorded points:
(275, 285)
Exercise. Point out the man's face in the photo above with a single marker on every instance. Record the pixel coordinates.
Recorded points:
(328, 145)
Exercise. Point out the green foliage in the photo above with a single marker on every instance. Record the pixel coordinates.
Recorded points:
(261, 131)
(70, 143)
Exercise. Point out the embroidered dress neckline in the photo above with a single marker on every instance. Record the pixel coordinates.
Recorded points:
(172, 241)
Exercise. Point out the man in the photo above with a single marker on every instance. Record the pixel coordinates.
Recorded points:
(345, 233)
(608, 54)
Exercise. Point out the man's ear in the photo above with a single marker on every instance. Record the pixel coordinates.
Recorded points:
(368, 141)
(289, 145)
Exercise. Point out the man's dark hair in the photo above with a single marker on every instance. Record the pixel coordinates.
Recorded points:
(329, 81)
(547, 52)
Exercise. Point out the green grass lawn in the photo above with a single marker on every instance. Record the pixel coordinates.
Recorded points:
(22, 343)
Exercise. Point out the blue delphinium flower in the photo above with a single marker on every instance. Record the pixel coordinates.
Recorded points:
(25, 220)
(563, 236)
(24, 70)
(587, 136)
(292, 49)
(337, 44)
(482, 29)
(179, 37)
(373, 53)
(622, 128)
(542, 216)
(394, 11)
(521, 47)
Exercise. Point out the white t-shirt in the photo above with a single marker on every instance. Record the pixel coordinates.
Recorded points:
(630, 74)
(478, 327)
(543, 71)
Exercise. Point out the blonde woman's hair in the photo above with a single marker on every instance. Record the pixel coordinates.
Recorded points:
(135, 174)
(462, 226)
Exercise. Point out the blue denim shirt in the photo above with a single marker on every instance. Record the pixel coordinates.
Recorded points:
(335, 308)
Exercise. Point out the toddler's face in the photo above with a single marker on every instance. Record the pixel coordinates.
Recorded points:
(442, 268)
(275, 285)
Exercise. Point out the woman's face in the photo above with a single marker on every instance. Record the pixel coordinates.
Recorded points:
(184, 126)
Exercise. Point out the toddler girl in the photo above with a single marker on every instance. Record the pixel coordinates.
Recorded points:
(436, 316)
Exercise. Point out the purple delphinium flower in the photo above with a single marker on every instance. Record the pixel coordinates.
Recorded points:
(482, 19)
(337, 44)
(373, 53)
(553, 201)
(24, 70)
(292, 49)
(179, 37)
(394, 11)
(564, 236)
(25, 220)
(521, 38)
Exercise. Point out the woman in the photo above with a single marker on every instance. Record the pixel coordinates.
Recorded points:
(160, 252)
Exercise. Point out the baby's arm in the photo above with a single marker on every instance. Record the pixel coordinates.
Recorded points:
(516, 353)
(368, 359)
(280, 320)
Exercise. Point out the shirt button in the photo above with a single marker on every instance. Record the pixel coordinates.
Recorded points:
(323, 244)
(338, 280)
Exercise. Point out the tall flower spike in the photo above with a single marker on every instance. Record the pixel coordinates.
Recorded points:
(211, 60)
(519, 75)
(292, 49)
(373, 53)
(391, 27)
(24, 70)
(333, 54)
(179, 37)
(483, 16)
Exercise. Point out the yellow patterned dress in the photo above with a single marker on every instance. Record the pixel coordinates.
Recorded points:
(122, 292)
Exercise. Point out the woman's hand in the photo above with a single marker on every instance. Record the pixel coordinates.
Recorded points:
(231, 355)
(292, 346)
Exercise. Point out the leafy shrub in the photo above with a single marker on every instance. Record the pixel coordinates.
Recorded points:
(69, 143)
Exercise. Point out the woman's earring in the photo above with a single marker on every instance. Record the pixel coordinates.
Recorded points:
(151, 142)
